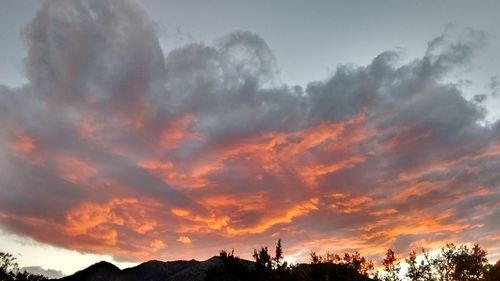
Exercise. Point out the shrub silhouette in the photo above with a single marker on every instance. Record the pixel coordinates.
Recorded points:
(452, 263)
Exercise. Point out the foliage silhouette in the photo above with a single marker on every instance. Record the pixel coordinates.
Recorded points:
(452, 263)
(493, 272)
(461, 263)
(330, 267)
(391, 267)
(419, 271)
(9, 270)
(231, 269)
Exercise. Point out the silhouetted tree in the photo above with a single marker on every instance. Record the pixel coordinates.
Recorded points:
(26, 276)
(263, 264)
(262, 259)
(231, 269)
(469, 264)
(443, 263)
(419, 271)
(282, 269)
(352, 266)
(7, 265)
(315, 258)
(391, 267)
(451, 264)
(460, 263)
(493, 272)
(9, 270)
(278, 256)
(358, 263)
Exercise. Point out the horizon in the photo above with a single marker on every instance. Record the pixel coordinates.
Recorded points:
(159, 130)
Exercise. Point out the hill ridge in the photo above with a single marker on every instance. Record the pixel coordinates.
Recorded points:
(152, 270)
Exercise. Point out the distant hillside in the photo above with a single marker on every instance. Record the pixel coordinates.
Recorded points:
(149, 271)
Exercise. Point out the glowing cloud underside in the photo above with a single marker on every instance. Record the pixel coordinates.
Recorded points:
(116, 148)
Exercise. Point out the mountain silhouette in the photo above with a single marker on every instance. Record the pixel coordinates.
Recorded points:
(153, 270)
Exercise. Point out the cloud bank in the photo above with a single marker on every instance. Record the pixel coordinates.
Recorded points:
(115, 147)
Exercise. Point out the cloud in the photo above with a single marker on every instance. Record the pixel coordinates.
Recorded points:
(50, 273)
(114, 147)
(184, 239)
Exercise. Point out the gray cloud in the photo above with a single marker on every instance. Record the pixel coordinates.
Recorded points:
(50, 273)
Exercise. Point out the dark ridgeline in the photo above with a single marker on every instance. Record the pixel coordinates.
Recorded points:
(148, 271)
(452, 263)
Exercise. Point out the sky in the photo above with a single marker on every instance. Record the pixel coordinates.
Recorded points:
(168, 130)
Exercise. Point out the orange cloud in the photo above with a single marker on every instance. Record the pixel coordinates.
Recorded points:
(447, 164)
(25, 146)
(224, 226)
(157, 244)
(274, 152)
(390, 211)
(310, 174)
(178, 130)
(285, 218)
(99, 221)
(74, 169)
(419, 189)
(404, 137)
(172, 175)
(198, 223)
(346, 203)
(422, 224)
(184, 239)
(236, 203)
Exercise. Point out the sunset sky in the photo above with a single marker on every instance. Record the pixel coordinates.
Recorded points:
(173, 129)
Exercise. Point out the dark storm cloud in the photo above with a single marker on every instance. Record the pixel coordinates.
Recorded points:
(114, 147)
